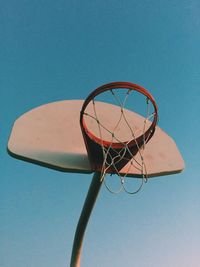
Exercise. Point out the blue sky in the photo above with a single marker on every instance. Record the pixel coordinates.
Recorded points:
(56, 50)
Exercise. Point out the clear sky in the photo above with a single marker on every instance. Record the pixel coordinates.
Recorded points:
(56, 50)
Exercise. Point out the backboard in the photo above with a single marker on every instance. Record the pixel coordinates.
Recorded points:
(50, 135)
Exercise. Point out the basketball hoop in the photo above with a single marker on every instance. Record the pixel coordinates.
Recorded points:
(115, 140)
(110, 155)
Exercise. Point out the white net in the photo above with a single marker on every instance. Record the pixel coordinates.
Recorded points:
(117, 130)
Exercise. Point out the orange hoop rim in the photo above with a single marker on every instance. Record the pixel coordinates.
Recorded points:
(119, 85)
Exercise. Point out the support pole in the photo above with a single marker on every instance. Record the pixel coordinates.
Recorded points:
(84, 218)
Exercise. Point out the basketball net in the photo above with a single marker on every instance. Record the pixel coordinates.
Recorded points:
(116, 156)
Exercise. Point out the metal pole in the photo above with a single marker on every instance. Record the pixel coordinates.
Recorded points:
(84, 218)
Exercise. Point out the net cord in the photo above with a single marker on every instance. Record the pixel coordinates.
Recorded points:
(106, 165)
